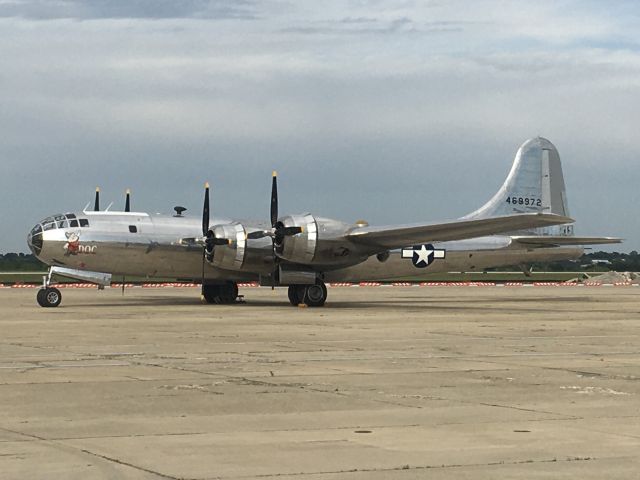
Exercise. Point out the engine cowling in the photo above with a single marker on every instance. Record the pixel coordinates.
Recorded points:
(299, 248)
(322, 242)
(230, 256)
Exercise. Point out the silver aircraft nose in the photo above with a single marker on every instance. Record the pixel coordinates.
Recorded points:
(34, 239)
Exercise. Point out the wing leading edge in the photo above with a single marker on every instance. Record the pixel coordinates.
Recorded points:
(390, 237)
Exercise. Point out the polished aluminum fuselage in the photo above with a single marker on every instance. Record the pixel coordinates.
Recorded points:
(139, 244)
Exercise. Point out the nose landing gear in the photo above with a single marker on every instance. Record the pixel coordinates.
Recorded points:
(48, 296)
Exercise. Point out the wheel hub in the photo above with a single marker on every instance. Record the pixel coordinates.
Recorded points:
(315, 293)
(52, 297)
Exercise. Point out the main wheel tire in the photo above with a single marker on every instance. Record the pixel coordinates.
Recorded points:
(49, 297)
(228, 293)
(315, 295)
(221, 294)
(210, 293)
(294, 296)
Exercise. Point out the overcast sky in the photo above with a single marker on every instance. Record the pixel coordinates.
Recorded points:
(391, 111)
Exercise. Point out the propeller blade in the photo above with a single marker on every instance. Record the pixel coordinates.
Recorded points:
(274, 199)
(205, 210)
(289, 231)
(127, 201)
(219, 241)
(258, 234)
(205, 230)
(96, 204)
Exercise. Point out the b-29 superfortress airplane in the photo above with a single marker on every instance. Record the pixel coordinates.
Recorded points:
(526, 221)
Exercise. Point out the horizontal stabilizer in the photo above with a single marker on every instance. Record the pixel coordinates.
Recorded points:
(559, 241)
(400, 236)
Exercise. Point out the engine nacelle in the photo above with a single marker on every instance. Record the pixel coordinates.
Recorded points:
(300, 248)
(322, 242)
(232, 255)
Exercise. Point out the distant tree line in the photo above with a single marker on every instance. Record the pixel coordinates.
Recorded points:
(590, 262)
(20, 262)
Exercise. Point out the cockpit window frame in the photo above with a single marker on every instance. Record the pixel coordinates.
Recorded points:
(68, 220)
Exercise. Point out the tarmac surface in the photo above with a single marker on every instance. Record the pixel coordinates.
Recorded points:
(402, 382)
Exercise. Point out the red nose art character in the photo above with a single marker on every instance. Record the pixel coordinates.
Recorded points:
(73, 243)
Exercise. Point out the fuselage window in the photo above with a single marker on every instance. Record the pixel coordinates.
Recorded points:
(133, 229)
(49, 226)
(73, 223)
(84, 222)
(71, 215)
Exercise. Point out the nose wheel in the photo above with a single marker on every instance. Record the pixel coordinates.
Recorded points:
(310, 295)
(49, 297)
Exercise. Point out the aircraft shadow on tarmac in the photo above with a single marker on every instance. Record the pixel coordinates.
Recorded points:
(478, 304)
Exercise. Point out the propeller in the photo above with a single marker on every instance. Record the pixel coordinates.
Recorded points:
(210, 240)
(278, 231)
(127, 201)
(96, 204)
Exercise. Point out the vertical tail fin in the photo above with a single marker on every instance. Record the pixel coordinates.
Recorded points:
(534, 184)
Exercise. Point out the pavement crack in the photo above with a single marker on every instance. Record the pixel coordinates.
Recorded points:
(420, 467)
(60, 445)
(130, 465)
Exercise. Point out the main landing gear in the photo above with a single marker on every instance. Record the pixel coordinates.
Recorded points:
(310, 295)
(223, 294)
(48, 296)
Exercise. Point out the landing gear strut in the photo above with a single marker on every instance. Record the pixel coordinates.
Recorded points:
(48, 296)
(310, 295)
(221, 294)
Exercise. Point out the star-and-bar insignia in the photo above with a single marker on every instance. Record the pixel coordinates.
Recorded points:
(422, 255)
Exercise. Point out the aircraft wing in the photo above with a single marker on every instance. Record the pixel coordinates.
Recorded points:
(559, 241)
(400, 236)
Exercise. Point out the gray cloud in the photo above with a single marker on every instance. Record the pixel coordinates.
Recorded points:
(373, 26)
(149, 9)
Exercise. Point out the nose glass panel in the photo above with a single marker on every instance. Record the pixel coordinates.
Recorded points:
(34, 239)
